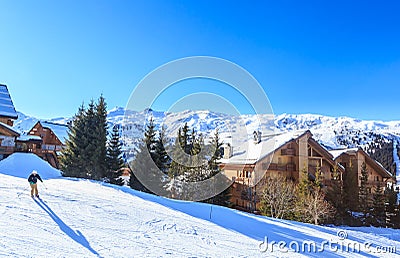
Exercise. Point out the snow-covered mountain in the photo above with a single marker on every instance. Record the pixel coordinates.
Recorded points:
(83, 218)
(332, 132)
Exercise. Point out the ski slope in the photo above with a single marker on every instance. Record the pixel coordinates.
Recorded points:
(82, 218)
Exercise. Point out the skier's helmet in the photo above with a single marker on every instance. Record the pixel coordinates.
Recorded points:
(34, 172)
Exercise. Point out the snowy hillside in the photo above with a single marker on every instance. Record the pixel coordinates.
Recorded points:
(80, 218)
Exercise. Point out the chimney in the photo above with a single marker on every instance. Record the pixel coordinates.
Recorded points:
(257, 137)
(227, 151)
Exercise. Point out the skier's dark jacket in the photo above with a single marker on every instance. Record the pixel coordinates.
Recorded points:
(32, 179)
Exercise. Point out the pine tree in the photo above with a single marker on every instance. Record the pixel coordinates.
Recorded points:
(161, 157)
(85, 153)
(114, 158)
(378, 205)
(223, 198)
(89, 151)
(179, 154)
(71, 164)
(100, 139)
(303, 190)
(364, 195)
(336, 196)
(144, 167)
(391, 208)
(350, 189)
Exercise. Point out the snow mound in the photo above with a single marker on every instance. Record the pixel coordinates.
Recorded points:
(22, 164)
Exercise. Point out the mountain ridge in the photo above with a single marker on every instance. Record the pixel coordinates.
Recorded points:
(331, 132)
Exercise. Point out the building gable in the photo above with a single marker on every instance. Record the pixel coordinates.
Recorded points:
(7, 109)
(47, 135)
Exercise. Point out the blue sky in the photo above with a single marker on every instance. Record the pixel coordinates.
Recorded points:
(327, 57)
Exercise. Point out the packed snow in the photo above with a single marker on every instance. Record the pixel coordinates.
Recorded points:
(82, 218)
(22, 164)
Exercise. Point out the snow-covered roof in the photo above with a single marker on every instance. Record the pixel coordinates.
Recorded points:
(250, 153)
(337, 153)
(7, 108)
(27, 138)
(6, 126)
(60, 130)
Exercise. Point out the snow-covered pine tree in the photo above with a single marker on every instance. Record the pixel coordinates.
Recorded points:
(114, 158)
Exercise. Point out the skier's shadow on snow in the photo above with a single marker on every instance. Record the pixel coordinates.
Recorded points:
(74, 235)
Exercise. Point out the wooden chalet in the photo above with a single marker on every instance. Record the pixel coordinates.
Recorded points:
(285, 155)
(46, 140)
(8, 115)
(352, 160)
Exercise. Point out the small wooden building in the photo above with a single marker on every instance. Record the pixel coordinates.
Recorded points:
(46, 140)
(8, 115)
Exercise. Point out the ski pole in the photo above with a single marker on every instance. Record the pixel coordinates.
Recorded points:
(44, 185)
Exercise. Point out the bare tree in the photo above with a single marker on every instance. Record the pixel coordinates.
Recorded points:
(310, 203)
(277, 199)
(316, 208)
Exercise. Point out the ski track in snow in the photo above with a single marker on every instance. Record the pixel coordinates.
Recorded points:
(80, 218)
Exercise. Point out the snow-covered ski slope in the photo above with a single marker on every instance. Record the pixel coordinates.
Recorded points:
(82, 218)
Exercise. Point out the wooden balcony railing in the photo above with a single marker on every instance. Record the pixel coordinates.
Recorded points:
(7, 150)
(290, 152)
(285, 167)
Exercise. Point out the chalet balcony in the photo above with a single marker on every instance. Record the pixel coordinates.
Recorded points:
(288, 152)
(284, 167)
(244, 180)
(7, 150)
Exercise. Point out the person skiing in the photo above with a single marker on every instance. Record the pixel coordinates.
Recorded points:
(32, 179)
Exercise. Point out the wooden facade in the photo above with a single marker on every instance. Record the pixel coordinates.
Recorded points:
(287, 160)
(352, 160)
(42, 141)
(8, 135)
(49, 138)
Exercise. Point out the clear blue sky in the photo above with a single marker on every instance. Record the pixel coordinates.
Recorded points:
(327, 57)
